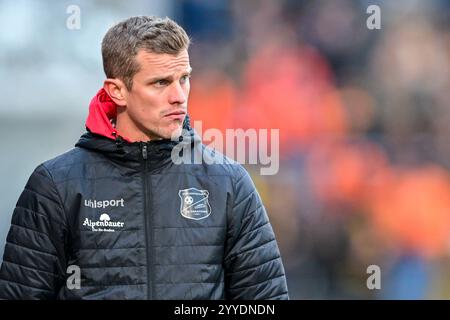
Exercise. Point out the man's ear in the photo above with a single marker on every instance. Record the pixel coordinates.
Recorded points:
(117, 90)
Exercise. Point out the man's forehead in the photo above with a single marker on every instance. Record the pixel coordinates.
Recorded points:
(163, 62)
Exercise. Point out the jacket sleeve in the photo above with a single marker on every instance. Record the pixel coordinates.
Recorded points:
(253, 266)
(34, 258)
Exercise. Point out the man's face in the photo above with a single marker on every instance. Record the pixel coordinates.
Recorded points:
(157, 101)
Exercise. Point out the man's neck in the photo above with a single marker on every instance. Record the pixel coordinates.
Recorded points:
(127, 129)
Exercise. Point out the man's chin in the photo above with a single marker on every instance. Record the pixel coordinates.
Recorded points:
(176, 133)
(173, 133)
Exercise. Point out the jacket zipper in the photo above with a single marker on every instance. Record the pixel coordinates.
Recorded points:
(148, 229)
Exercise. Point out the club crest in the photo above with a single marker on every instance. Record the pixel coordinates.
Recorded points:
(194, 203)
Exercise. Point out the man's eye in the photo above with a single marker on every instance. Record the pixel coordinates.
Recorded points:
(185, 78)
(161, 82)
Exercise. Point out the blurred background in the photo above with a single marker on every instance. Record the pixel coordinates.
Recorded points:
(364, 119)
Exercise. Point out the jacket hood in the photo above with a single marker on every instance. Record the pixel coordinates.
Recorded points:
(102, 110)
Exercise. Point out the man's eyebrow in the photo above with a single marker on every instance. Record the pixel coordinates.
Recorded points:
(158, 78)
(168, 76)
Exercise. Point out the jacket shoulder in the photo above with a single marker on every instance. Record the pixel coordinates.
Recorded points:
(217, 163)
(67, 165)
(68, 158)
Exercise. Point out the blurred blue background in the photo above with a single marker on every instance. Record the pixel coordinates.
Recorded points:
(364, 119)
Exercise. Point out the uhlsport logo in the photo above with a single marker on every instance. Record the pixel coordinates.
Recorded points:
(194, 203)
(94, 204)
(104, 224)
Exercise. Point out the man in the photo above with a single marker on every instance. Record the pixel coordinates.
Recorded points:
(117, 210)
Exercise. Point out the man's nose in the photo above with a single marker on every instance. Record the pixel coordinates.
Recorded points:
(177, 94)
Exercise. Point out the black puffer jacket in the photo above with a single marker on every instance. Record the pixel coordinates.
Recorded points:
(140, 227)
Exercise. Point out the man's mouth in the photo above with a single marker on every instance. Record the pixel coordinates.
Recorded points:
(177, 114)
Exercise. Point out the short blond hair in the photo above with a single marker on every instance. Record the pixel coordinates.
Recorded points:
(122, 42)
